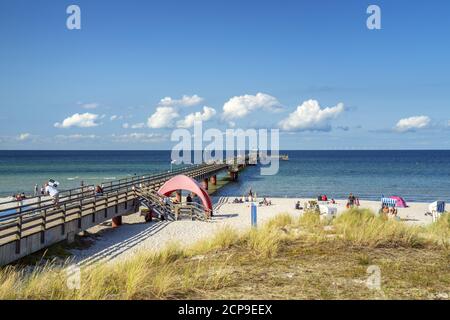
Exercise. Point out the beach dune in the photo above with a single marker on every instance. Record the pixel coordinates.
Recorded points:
(135, 235)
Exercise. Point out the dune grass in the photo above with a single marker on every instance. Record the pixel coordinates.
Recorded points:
(440, 230)
(363, 227)
(285, 258)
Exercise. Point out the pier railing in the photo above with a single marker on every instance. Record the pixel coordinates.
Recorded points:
(14, 207)
(171, 210)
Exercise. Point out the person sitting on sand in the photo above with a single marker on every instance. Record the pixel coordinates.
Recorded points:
(265, 202)
(324, 197)
(393, 211)
(298, 206)
(333, 201)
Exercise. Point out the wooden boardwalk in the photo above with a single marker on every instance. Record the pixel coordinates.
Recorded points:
(38, 223)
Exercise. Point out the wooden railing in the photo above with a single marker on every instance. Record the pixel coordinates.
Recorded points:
(173, 211)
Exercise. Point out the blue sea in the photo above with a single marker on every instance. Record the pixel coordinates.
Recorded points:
(415, 175)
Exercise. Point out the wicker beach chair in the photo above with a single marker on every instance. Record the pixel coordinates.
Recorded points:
(436, 209)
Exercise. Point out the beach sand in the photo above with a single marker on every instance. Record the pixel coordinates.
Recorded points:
(136, 235)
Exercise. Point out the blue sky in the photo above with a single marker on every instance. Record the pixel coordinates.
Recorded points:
(239, 64)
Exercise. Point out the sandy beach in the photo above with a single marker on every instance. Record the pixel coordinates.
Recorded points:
(135, 235)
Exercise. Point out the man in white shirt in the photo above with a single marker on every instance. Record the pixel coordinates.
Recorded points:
(53, 192)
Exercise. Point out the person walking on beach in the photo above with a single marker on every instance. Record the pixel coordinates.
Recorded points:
(351, 201)
(36, 190)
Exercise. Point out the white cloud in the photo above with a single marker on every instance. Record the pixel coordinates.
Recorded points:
(412, 123)
(125, 125)
(138, 125)
(310, 116)
(24, 136)
(115, 117)
(77, 137)
(240, 106)
(140, 137)
(189, 119)
(85, 120)
(162, 118)
(185, 101)
(89, 106)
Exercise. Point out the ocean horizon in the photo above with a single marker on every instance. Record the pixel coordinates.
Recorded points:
(416, 175)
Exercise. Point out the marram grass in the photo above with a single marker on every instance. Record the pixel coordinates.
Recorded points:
(232, 262)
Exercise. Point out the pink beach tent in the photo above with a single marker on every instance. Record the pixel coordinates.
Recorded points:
(400, 202)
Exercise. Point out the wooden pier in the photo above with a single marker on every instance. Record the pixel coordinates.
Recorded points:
(37, 223)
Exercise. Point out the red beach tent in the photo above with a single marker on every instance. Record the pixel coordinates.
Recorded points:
(400, 202)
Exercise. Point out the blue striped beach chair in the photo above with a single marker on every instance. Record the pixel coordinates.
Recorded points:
(388, 202)
(437, 208)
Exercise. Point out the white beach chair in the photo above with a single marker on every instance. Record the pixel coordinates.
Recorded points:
(327, 212)
(436, 209)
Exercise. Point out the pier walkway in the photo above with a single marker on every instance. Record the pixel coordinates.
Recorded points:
(36, 223)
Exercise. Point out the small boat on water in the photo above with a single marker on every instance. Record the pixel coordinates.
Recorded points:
(283, 157)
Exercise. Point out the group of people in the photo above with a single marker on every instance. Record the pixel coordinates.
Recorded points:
(352, 201)
(388, 211)
(39, 191)
(19, 196)
(324, 198)
(265, 202)
(249, 198)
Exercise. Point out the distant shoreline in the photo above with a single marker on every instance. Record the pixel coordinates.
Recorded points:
(169, 150)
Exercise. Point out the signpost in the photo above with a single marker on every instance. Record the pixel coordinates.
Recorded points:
(254, 214)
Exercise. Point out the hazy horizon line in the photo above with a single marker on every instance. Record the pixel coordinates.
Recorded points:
(281, 150)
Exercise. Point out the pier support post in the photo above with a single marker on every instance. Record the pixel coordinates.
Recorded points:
(116, 221)
(213, 180)
(233, 175)
(205, 183)
(178, 196)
